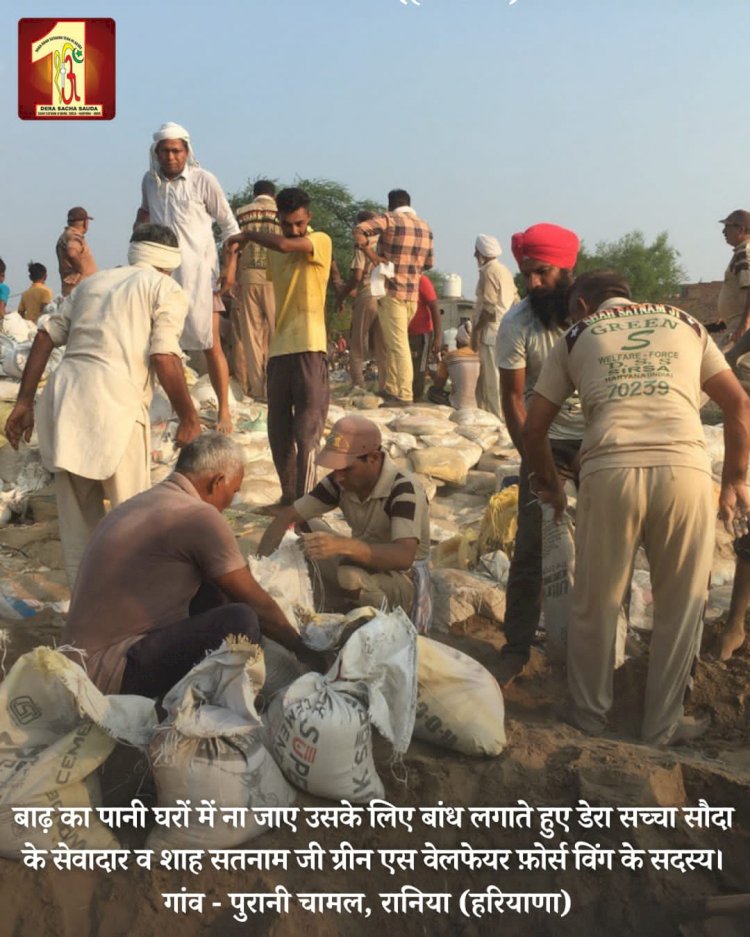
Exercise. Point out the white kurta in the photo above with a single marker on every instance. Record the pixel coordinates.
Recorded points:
(111, 324)
(189, 204)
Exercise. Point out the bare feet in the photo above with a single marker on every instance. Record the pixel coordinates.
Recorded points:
(224, 423)
(730, 641)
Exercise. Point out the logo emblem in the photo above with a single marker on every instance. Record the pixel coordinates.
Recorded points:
(66, 69)
(24, 710)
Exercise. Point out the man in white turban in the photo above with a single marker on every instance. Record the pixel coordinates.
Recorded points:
(496, 293)
(178, 193)
(120, 328)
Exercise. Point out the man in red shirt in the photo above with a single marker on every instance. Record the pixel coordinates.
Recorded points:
(425, 333)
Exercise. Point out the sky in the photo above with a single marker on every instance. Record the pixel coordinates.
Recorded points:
(600, 115)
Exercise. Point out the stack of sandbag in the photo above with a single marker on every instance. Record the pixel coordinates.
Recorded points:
(56, 729)
(321, 726)
(459, 703)
(210, 748)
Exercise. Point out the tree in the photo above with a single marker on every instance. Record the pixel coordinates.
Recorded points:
(653, 270)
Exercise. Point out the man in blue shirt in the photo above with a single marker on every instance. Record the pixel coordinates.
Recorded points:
(4, 290)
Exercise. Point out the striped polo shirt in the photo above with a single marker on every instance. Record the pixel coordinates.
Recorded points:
(395, 509)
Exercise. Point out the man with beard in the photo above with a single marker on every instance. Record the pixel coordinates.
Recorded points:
(546, 255)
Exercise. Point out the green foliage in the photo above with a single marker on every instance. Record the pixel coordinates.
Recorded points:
(438, 279)
(653, 270)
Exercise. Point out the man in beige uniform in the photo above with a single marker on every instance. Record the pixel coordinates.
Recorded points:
(386, 509)
(253, 315)
(645, 476)
(119, 328)
(74, 257)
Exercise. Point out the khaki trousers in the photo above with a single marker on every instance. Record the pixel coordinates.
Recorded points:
(80, 501)
(395, 316)
(488, 386)
(671, 511)
(365, 333)
(253, 318)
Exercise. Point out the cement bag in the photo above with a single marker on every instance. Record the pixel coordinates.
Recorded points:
(558, 570)
(56, 729)
(443, 462)
(459, 703)
(210, 748)
(470, 416)
(15, 357)
(18, 328)
(285, 577)
(321, 726)
(421, 425)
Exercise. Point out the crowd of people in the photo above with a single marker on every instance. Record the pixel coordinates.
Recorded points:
(591, 385)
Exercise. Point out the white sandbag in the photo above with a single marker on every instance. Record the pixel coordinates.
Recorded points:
(399, 444)
(209, 750)
(558, 570)
(321, 726)
(471, 416)
(18, 328)
(443, 462)
(56, 729)
(160, 408)
(459, 703)
(285, 577)
(204, 396)
(421, 425)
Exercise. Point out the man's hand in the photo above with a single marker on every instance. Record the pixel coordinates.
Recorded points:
(553, 495)
(235, 242)
(322, 546)
(20, 424)
(734, 508)
(188, 429)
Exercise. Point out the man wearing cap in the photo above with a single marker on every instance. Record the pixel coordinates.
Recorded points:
(177, 192)
(74, 257)
(386, 510)
(546, 255)
(120, 327)
(496, 293)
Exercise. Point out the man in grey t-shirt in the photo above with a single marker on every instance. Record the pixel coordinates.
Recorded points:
(546, 255)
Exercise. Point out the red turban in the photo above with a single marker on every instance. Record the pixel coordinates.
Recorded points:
(548, 243)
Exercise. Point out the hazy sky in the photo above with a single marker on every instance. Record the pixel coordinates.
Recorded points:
(601, 115)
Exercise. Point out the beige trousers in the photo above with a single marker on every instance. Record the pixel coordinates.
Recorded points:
(671, 511)
(488, 385)
(253, 318)
(80, 501)
(365, 333)
(395, 316)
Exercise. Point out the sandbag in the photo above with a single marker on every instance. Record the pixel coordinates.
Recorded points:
(421, 425)
(56, 729)
(443, 462)
(321, 726)
(210, 748)
(459, 703)
(285, 577)
(471, 416)
(282, 669)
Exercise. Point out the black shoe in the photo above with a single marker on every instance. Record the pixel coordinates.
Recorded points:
(390, 401)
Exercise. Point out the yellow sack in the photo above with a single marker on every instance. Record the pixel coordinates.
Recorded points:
(500, 523)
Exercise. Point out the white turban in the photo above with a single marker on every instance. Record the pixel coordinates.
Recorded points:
(156, 255)
(171, 131)
(487, 245)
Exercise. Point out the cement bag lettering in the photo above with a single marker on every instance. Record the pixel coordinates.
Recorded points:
(56, 729)
(321, 726)
(459, 703)
(210, 750)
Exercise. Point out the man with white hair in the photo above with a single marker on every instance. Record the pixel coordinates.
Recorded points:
(151, 597)
(177, 192)
(119, 328)
(496, 293)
